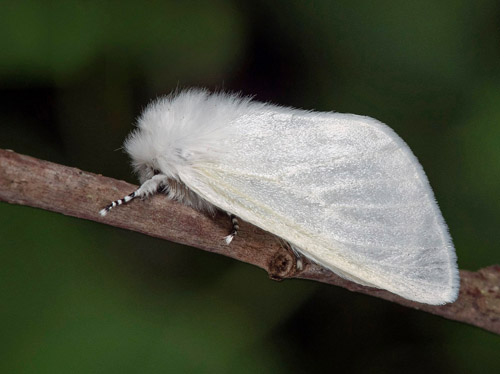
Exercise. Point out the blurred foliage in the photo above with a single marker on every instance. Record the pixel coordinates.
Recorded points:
(83, 297)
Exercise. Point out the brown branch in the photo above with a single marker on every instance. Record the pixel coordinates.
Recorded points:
(28, 181)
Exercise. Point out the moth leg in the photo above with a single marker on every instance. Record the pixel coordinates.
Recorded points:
(298, 256)
(149, 187)
(234, 231)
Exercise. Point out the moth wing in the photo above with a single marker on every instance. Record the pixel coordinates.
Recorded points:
(345, 190)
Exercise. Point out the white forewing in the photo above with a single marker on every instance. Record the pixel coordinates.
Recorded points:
(344, 189)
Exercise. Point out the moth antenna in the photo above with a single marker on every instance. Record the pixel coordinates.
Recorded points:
(234, 231)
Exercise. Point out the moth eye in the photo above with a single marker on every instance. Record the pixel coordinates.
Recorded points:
(156, 172)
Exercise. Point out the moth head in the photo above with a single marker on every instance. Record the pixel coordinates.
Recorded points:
(145, 172)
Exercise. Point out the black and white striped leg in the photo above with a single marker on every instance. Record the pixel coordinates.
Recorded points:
(234, 231)
(126, 199)
(149, 187)
(298, 256)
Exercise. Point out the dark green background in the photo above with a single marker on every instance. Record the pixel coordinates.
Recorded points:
(82, 297)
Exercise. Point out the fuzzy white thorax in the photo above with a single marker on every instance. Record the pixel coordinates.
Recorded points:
(178, 131)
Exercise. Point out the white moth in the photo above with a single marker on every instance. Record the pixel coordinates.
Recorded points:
(343, 190)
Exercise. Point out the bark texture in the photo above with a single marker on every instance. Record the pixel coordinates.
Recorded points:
(25, 180)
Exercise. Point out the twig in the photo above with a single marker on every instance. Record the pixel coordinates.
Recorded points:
(25, 180)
